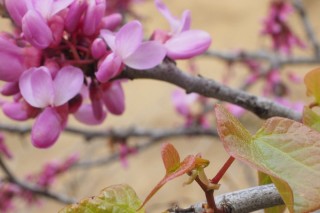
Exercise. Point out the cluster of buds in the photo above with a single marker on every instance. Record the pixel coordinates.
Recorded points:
(65, 55)
(276, 27)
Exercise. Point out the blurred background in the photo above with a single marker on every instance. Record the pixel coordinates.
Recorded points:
(233, 25)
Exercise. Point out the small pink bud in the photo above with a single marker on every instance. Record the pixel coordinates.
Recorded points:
(111, 22)
(98, 48)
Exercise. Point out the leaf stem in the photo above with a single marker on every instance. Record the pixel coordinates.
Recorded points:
(222, 171)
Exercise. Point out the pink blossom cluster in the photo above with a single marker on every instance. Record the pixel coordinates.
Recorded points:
(64, 56)
(276, 27)
(51, 170)
(185, 105)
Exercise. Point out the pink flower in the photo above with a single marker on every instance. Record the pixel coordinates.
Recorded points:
(181, 42)
(127, 48)
(14, 59)
(107, 95)
(276, 26)
(41, 91)
(36, 18)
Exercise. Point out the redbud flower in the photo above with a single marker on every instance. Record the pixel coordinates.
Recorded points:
(34, 18)
(41, 91)
(181, 42)
(127, 48)
(276, 26)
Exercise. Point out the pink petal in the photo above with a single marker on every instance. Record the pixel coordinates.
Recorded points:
(148, 55)
(109, 68)
(74, 14)
(17, 9)
(46, 128)
(11, 67)
(67, 84)
(15, 111)
(113, 98)
(85, 115)
(10, 88)
(98, 48)
(128, 39)
(111, 22)
(36, 30)
(36, 87)
(58, 6)
(93, 17)
(43, 7)
(185, 21)
(109, 38)
(188, 44)
(173, 21)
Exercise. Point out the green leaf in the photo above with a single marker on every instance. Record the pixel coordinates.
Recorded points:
(114, 199)
(312, 82)
(310, 118)
(175, 168)
(286, 150)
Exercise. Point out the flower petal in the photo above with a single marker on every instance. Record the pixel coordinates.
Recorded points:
(109, 68)
(17, 9)
(67, 84)
(188, 44)
(36, 30)
(148, 55)
(15, 111)
(57, 6)
(11, 67)
(109, 38)
(36, 87)
(85, 115)
(93, 16)
(129, 38)
(46, 128)
(173, 21)
(113, 98)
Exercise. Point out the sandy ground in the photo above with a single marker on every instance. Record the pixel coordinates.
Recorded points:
(233, 24)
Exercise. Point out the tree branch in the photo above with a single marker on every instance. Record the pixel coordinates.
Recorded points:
(247, 200)
(168, 72)
(307, 26)
(33, 188)
(154, 134)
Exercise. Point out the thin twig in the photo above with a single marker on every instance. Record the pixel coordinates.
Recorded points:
(307, 26)
(122, 133)
(33, 188)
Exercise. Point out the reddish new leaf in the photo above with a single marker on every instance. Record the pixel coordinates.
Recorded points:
(170, 157)
(286, 150)
(175, 168)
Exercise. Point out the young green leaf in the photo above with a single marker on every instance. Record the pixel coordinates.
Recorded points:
(312, 82)
(175, 168)
(113, 199)
(286, 150)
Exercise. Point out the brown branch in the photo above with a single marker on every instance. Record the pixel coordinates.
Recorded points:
(168, 72)
(154, 134)
(247, 200)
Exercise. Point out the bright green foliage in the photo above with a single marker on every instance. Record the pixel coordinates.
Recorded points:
(175, 168)
(312, 82)
(114, 199)
(286, 150)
